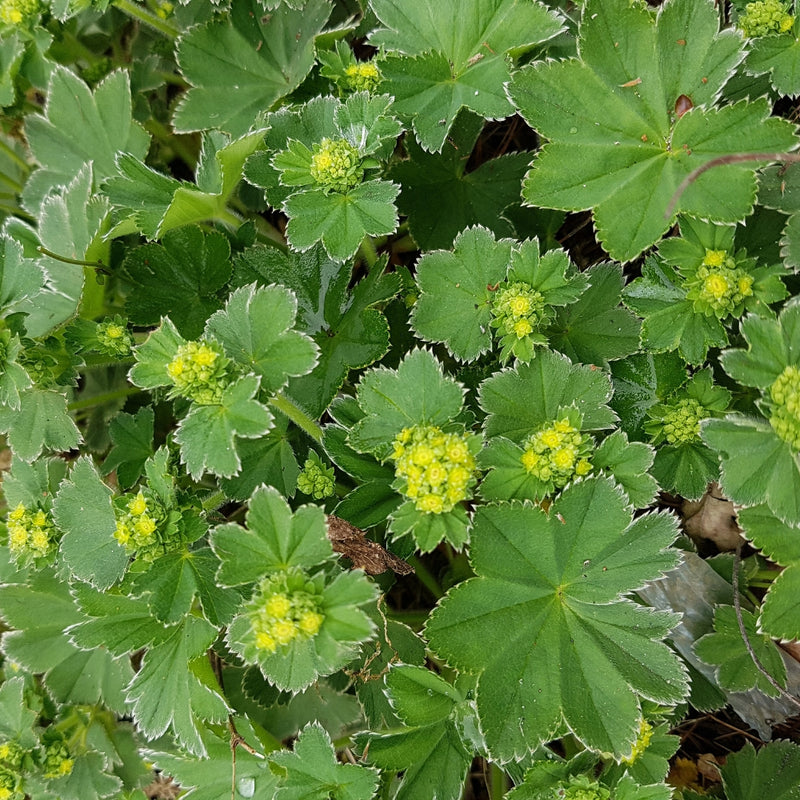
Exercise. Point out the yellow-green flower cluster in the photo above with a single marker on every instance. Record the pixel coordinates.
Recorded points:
(9, 783)
(434, 469)
(764, 17)
(336, 165)
(557, 452)
(362, 77)
(58, 762)
(719, 287)
(285, 607)
(582, 788)
(316, 479)
(199, 372)
(681, 421)
(11, 754)
(137, 525)
(642, 742)
(30, 532)
(785, 412)
(517, 310)
(114, 338)
(13, 12)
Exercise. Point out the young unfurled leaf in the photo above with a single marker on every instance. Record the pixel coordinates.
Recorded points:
(547, 626)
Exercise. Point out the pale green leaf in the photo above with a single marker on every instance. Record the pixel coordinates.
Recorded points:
(778, 56)
(82, 509)
(275, 539)
(773, 771)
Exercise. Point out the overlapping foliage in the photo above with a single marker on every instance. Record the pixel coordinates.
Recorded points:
(321, 444)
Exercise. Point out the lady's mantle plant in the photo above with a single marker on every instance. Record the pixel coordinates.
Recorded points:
(335, 462)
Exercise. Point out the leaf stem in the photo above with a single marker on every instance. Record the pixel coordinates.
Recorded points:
(79, 261)
(143, 15)
(296, 414)
(14, 156)
(497, 782)
(100, 399)
(368, 252)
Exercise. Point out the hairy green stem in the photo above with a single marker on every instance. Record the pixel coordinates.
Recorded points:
(368, 252)
(100, 399)
(497, 782)
(143, 15)
(296, 414)
(14, 156)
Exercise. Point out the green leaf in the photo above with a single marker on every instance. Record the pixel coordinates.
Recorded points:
(103, 120)
(41, 423)
(773, 771)
(41, 613)
(779, 617)
(341, 221)
(16, 719)
(429, 748)
(670, 321)
(311, 772)
(628, 463)
(20, 278)
(686, 469)
(594, 329)
(519, 400)
(416, 393)
(239, 66)
(547, 626)
(180, 278)
(617, 144)
(726, 650)
(256, 330)
(478, 197)
(166, 693)
(210, 778)
(82, 509)
(778, 541)
(153, 356)
(154, 204)
(461, 61)
(207, 434)
(756, 464)
(174, 580)
(455, 301)
(275, 539)
(88, 780)
(71, 221)
(132, 436)
(778, 56)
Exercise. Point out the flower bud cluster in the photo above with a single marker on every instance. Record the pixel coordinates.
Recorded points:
(137, 525)
(58, 761)
(199, 372)
(764, 17)
(719, 287)
(13, 12)
(362, 77)
(113, 337)
(286, 606)
(557, 452)
(336, 165)
(316, 479)
(681, 421)
(9, 784)
(30, 532)
(517, 310)
(433, 468)
(642, 742)
(582, 788)
(785, 412)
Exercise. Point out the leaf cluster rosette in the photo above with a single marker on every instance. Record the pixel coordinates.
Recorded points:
(318, 168)
(412, 417)
(248, 351)
(617, 143)
(761, 454)
(286, 561)
(692, 296)
(684, 464)
(485, 289)
(547, 626)
(540, 417)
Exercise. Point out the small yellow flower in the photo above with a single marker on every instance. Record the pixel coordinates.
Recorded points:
(138, 505)
(716, 285)
(431, 504)
(265, 642)
(310, 622)
(284, 631)
(17, 538)
(144, 526)
(278, 606)
(18, 513)
(715, 258)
